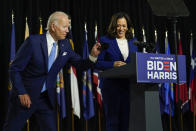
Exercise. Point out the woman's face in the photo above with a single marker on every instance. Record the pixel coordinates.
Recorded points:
(121, 28)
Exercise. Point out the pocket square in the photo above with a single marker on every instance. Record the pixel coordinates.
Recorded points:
(64, 53)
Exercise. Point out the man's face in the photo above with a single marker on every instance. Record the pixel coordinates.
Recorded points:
(61, 28)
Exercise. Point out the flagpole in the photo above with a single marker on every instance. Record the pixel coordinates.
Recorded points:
(193, 113)
(166, 47)
(58, 119)
(99, 110)
(182, 122)
(28, 123)
(181, 116)
(72, 114)
(174, 20)
(191, 95)
(99, 119)
(86, 125)
(12, 49)
(178, 89)
(170, 120)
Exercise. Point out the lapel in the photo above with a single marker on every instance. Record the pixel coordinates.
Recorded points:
(118, 52)
(62, 48)
(129, 46)
(131, 50)
(44, 50)
(117, 49)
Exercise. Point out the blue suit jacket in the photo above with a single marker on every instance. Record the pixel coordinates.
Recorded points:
(29, 69)
(107, 58)
(115, 91)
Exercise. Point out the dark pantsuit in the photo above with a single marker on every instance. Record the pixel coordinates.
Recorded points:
(115, 92)
(116, 104)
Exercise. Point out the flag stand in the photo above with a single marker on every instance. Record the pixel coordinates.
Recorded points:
(193, 114)
(86, 125)
(28, 129)
(99, 120)
(58, 119)
(170, 119)
(182, 126)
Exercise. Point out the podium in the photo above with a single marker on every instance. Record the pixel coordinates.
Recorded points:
(144, 95)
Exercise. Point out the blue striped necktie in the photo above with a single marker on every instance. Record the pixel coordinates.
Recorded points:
(51, 59)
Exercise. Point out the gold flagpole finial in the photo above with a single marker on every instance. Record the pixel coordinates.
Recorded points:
(85, 26)
(96, 32)
(133, 31)
(26, 19)
(144, 35)
(166, 33)
(179, 35)
(40, 20)
(12, 17)
(95, 27)
(41, 30)
(70, 23)
(143, 31)
(155, 34)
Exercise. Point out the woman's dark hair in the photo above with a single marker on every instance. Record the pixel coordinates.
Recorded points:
(113, 24)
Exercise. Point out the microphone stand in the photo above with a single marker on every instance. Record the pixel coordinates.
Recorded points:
(179, 103)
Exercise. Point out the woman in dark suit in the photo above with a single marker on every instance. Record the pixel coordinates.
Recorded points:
(115, 92)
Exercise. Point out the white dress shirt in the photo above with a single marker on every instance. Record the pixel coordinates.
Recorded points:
(50, 42)
(123, 46)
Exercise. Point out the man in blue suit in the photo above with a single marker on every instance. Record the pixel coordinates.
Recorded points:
(33, 74)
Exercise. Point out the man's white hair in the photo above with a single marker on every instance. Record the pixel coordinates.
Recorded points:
(54, 17)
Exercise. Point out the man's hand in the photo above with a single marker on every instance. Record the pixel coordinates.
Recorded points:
(95, 50)
(119, 63)
(25, 100)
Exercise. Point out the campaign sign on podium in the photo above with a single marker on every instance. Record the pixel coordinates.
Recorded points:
(160, 68)
(143, 70)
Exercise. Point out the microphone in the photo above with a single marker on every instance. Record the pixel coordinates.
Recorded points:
(136, 42)
(104, 46)
(149, 46)
(140, 43)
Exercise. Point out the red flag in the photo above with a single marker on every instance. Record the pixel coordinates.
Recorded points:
(183, 90)
(96, 82)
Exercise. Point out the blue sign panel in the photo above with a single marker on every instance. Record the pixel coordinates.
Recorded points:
(160, 68)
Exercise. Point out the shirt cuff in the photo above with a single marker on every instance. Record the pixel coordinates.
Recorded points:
(92, 58)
